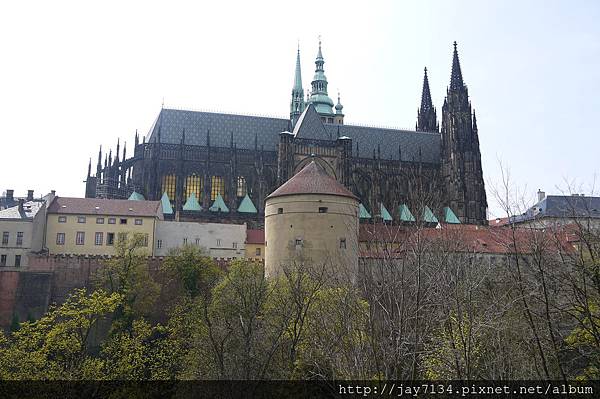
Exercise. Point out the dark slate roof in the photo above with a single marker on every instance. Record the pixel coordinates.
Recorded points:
(563, 206)
(312, 179)
(196, 124)
(266, 129)
(309, 126)
(389, 141)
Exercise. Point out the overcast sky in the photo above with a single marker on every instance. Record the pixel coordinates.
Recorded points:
(74, 76)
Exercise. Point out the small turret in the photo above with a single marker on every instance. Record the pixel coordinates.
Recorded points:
(426, 115)
(339, 114)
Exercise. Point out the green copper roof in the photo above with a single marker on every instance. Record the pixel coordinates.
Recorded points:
(450, 217)
(135, 196)
(405, 214)
(219, 205)
(298, 74)
(428, 216)
(166, 204)
(247, 206)
(192, 204)
(363, 213)
(385, 215)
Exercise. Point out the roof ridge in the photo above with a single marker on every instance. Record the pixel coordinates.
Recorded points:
(223, 112)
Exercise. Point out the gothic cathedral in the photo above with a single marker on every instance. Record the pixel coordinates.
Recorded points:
(216, 166)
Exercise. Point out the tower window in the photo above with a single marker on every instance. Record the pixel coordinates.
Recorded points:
(193, 185)
(342, 243)
(322, 209)
(298, 242)
(241, 186)
(279, 210)
(169, 184)
(217, 187)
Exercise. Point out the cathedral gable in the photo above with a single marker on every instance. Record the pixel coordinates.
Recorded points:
(310, 126)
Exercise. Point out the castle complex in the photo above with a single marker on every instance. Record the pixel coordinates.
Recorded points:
(209, 166)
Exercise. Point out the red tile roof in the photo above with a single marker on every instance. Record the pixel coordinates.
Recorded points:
(312, 179)
(98, 206)
(467, 238)
(255, 236)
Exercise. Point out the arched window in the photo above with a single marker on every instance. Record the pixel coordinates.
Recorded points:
(193, 185)
(169, 184)
(217, 187)
(241, 186)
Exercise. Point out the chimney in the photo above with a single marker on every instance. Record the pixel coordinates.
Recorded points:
(9, 195)
(21, 201)
(29, 195)
(541, 195)
(53, 192)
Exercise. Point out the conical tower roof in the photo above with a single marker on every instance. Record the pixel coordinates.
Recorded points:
(456, 79)
(312, 179)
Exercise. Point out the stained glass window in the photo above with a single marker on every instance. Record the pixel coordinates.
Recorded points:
(217, 187)
(169, 184)
(241, 186)
(193, 185)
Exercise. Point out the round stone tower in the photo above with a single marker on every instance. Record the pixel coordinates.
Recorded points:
(311, 219)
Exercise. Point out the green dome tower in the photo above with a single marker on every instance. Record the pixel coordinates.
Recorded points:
(319, 98)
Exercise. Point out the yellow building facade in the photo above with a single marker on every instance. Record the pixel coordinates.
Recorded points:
(91, 226)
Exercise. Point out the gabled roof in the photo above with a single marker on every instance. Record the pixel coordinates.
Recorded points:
(100, 206)
(385, 215)
(363, 213)
(135, 196)
(310, 126)
(450, 217)
(247, 206)
(166, 204)
(312, 179)
(405, 214)
(192, 204)
(219, 205)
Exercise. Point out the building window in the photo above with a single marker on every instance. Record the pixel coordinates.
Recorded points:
(122, 221)
(257, 252)
(197, 241)
(122, 237)
(185, 241)
(2, 260)
(138, 222)
(112, 220)
(241, 186)
(218, 242)
(80, 238)
(62, 219)
(342, 243)
(279, 210)
(19, 238)
(159, 244)
(99, 239)
(17, 260)
(80, 219)
(169, 184)
(99, 220)
(60, 238)
(217, 187)
(193, 185)
(234, 245)
(110, 238)
(322, 209)
(145, 240)
(5, 236)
